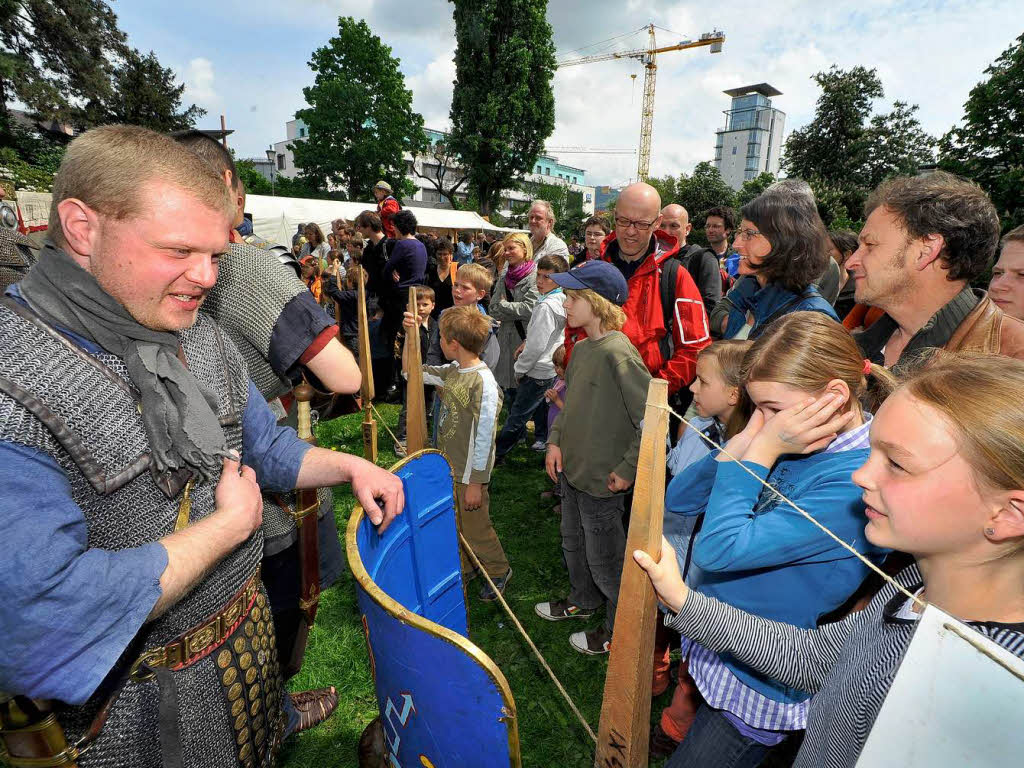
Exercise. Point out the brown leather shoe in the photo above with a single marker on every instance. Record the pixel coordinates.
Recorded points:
(314, 706)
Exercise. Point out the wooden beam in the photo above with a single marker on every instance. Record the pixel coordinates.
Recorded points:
(415, 408)
(623, 734)
(366, 392)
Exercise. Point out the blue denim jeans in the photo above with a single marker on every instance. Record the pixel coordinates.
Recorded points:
(713, 742)
(529, 396)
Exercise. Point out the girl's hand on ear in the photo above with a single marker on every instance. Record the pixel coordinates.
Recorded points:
(804, 428)
(740, 442)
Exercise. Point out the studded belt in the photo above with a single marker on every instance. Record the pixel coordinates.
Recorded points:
(202, 640)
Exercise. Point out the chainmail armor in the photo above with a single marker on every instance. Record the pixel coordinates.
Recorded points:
(16, 256)
(252, 290)
(103, 453)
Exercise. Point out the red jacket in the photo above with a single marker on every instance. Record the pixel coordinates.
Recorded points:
(645, 320)
(387, 208)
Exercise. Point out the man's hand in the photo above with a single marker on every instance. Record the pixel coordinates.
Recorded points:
(238, 500)
(395, 276)
(553, 462)
(371, 483)
(409, 320)
(519, 351)
(617, 485)
(474, 496)
(664, 575)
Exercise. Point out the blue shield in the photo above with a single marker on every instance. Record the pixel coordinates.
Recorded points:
(443, 702)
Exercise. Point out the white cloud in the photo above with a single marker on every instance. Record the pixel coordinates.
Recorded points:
(927, 52)
(199, 82)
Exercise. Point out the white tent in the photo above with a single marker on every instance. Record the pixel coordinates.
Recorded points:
(276, 218)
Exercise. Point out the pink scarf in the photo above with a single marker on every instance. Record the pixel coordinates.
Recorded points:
(515, 274)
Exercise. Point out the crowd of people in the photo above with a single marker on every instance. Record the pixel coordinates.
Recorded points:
(157, 596)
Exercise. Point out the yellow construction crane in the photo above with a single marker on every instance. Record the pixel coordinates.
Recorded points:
(648, 56)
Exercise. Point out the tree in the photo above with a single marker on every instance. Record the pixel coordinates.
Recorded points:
(144, 93)
(446, 173)
(846, 149)
(753, 187)
(704, 188)
(360, 117)
(56, 55)
(503, 107)
(667, 187)
(988, 146)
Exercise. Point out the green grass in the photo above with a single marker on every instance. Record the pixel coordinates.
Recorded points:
(548, 731)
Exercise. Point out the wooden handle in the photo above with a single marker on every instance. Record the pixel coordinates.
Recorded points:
(622, 737)
(415, 408)
(303, 396)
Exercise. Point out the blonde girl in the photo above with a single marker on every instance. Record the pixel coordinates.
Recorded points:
(804, 379)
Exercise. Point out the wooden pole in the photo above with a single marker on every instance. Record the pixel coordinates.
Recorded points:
(307, 507)
(366, 392)
(623, 734)
(415, 408)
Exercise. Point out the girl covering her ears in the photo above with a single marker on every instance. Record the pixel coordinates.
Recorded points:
(717, 398)
(807, 433)
(944, 482)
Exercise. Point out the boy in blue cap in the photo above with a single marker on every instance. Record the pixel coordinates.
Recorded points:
(593, 447)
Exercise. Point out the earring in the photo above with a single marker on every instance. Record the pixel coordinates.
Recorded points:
(990, 531)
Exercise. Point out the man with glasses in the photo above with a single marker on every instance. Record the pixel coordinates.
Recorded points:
(665, 316)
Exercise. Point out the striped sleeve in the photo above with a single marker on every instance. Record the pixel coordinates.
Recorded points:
(801, 658)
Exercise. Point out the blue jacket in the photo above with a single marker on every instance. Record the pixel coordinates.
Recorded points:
(748, 296)
(760, 555)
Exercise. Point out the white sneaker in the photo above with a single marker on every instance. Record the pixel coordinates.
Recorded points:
(539, 446)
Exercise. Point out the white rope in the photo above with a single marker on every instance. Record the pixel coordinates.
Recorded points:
(522, 631)
(917, 600)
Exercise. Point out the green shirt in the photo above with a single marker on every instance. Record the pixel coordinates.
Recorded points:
(598, 431)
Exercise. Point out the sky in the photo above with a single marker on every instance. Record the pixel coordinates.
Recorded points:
(249, 61)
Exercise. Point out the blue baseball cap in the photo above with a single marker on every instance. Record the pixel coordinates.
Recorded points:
(599, 276)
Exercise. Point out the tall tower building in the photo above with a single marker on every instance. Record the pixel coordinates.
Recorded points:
(751, 141)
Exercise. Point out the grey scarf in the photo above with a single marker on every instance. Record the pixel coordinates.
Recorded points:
(179, 413)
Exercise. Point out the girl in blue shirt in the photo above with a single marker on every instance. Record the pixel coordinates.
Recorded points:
(804, 378)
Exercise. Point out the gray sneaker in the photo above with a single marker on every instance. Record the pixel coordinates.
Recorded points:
(539, 446)
(559, 610)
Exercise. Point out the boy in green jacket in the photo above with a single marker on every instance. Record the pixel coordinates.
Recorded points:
(593, 446)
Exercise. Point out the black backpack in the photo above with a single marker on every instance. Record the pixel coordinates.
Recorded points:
(668, 274)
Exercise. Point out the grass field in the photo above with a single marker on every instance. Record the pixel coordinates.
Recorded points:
(549, 733)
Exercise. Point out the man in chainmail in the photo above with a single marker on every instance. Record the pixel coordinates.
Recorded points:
(130, 594)
(284, 335)
(16, 253)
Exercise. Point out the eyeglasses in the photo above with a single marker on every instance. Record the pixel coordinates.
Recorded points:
(640, 226)
(747, 234)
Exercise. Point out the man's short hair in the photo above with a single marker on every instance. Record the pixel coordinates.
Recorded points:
(725, 213)
(553, 263)
(369, 220)
(468, 326)
(425, 292)
(476, 275)
(212, 151)
(547, 206)
(940, 203)
(1015, 235)
(405, 222)
(107, 167)
(597, 221)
